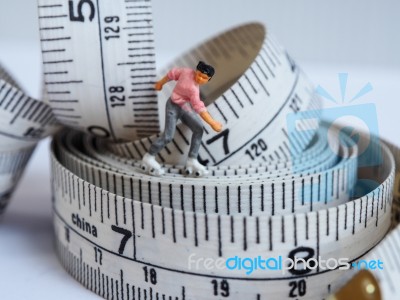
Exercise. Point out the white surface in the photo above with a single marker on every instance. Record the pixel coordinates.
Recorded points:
(345, 31)
(29, 268)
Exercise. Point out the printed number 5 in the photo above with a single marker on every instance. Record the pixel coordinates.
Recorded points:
(80, 17)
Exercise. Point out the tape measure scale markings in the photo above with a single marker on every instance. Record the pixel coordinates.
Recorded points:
(331, 185)
(24, 122)
(127, 235)
(99, 66)
(180, 233)
(175, 225)
(247, 97)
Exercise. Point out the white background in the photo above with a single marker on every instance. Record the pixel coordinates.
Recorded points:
(351, 36)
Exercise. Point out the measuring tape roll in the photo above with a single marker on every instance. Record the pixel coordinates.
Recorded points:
(124, 234)
(24, 121)
(255, 185)
(256, 85)
(116, 237)
(99, 66)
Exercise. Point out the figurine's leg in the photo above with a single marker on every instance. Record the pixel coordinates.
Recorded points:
(172, 113)
(193, 121)
(149, 162)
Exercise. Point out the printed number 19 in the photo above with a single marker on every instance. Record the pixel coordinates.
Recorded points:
(221, 288)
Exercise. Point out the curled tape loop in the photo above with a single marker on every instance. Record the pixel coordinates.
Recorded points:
(271, 192)
(293, 200)
(24, 122)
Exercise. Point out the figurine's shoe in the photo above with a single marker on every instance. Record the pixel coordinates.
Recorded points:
(194, 167)
(151, 166)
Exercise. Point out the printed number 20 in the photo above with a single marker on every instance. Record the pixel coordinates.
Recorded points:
(298, 288)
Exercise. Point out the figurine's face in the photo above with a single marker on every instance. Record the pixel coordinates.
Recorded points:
(201, 78)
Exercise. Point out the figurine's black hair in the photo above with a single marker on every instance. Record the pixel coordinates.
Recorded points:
(205, 69)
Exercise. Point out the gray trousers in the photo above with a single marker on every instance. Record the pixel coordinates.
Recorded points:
(173, 113)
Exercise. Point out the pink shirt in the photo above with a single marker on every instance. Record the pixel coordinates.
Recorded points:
(186, 89)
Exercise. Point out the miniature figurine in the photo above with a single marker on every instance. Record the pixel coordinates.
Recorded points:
(184, 99)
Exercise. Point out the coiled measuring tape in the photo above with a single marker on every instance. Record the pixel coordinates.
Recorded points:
(24, 121)
(127, 235)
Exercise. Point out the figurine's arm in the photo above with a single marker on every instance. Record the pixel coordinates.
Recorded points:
(159, 84)
(217, 126)
(200, 108)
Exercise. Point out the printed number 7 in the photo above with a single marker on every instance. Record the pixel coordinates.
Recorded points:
(224, 135)
(127, 235)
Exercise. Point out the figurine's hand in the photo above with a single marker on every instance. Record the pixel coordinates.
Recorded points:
(158, 86)
(217, 126)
